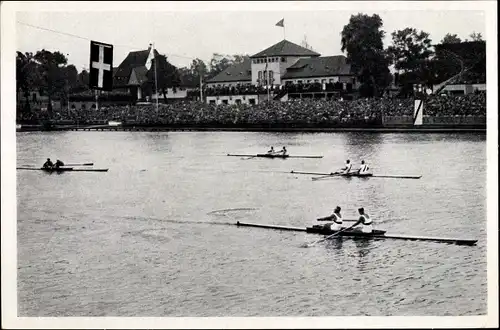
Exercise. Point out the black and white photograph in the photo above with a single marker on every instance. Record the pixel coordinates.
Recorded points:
(281, 164)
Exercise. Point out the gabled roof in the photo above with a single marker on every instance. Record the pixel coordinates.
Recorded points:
(319, 67)
(285, 48)
(237, 72)
(138, 75)
(133, 60)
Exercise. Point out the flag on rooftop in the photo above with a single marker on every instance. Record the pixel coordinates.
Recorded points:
(151, 56)
(281, 23)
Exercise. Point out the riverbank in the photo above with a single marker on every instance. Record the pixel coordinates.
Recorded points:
(262, 128)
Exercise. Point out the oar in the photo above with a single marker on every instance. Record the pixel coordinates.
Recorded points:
(327, 176)
(343, 220)
(310, 173)
(397, 176)
(83, 164)
(328, 237)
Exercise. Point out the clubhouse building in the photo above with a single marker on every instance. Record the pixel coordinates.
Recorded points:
(283, 64)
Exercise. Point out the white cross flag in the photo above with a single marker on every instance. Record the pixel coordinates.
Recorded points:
(101, 66)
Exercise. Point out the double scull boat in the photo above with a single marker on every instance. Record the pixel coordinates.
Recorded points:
(273, 156)
(63, 169)
(321, 175)
(376, 234)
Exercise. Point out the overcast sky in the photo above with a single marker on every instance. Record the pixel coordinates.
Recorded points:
(183, 35)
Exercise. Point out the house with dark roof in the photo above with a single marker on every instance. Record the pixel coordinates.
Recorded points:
(131, 74)
(285, 63)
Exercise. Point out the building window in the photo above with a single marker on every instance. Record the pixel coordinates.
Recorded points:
(308, 80)
(283, 59)
(251, 101)
(323, 81)
(316, 80)
(224, 101)
(238, 101)
(330, 81)
(299, 81)
(271, 76)
(212, 101)
(83, 106)
(259, 74)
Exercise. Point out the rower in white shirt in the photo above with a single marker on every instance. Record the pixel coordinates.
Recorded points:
(363, 169)
(364, 223)
(336, 217)
(347, 168)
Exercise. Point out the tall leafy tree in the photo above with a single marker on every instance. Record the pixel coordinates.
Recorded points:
(451, 39)
(221, 62)
(167, 75)
(362, 40)
(476, 36)
(52, 74)
(410, 53)
(27, 76)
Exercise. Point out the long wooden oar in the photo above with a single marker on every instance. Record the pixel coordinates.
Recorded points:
(82, 164)
(310, 173)
(327, 176)
(343, 220)
(397, 176)
(328, 237)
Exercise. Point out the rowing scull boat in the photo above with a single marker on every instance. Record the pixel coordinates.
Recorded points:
(358, 175)
(64, 169)
(376, 234)
(273, 156)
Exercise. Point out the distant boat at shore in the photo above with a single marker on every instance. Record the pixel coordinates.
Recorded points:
(18, 126)
(114, 123)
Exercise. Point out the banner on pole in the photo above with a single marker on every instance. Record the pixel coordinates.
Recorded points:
(101, 66)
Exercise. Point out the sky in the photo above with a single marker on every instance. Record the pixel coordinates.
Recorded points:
(183, 34)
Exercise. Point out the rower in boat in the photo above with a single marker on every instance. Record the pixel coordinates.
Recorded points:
(336, 217)
(363, 169)
(364, 223)
(271, 151)
(48, 164)
(283, 151)
(58, 164)
(347, 168)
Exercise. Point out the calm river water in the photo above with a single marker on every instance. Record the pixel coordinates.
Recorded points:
(151, 237)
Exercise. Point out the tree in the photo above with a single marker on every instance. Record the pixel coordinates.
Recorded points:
(410, 52)
(51, 73)
(362, 40)
(476, 36)
(221, 62)
(167, 76)
(451, 39)
(27, 76)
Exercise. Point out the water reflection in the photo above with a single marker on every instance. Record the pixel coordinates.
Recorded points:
(363, 247)
(335, 243)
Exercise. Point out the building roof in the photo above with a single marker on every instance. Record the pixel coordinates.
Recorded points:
(285, 48)
(234, 73)
(133, 60)
(319, 67)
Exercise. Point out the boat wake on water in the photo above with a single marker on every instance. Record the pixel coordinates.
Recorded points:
(226, 211)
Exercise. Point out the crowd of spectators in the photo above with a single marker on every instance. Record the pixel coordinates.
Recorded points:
(296, 112)
(457, 106)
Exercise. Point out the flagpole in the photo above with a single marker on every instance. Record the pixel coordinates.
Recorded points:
(267, 77)
(156, 79)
